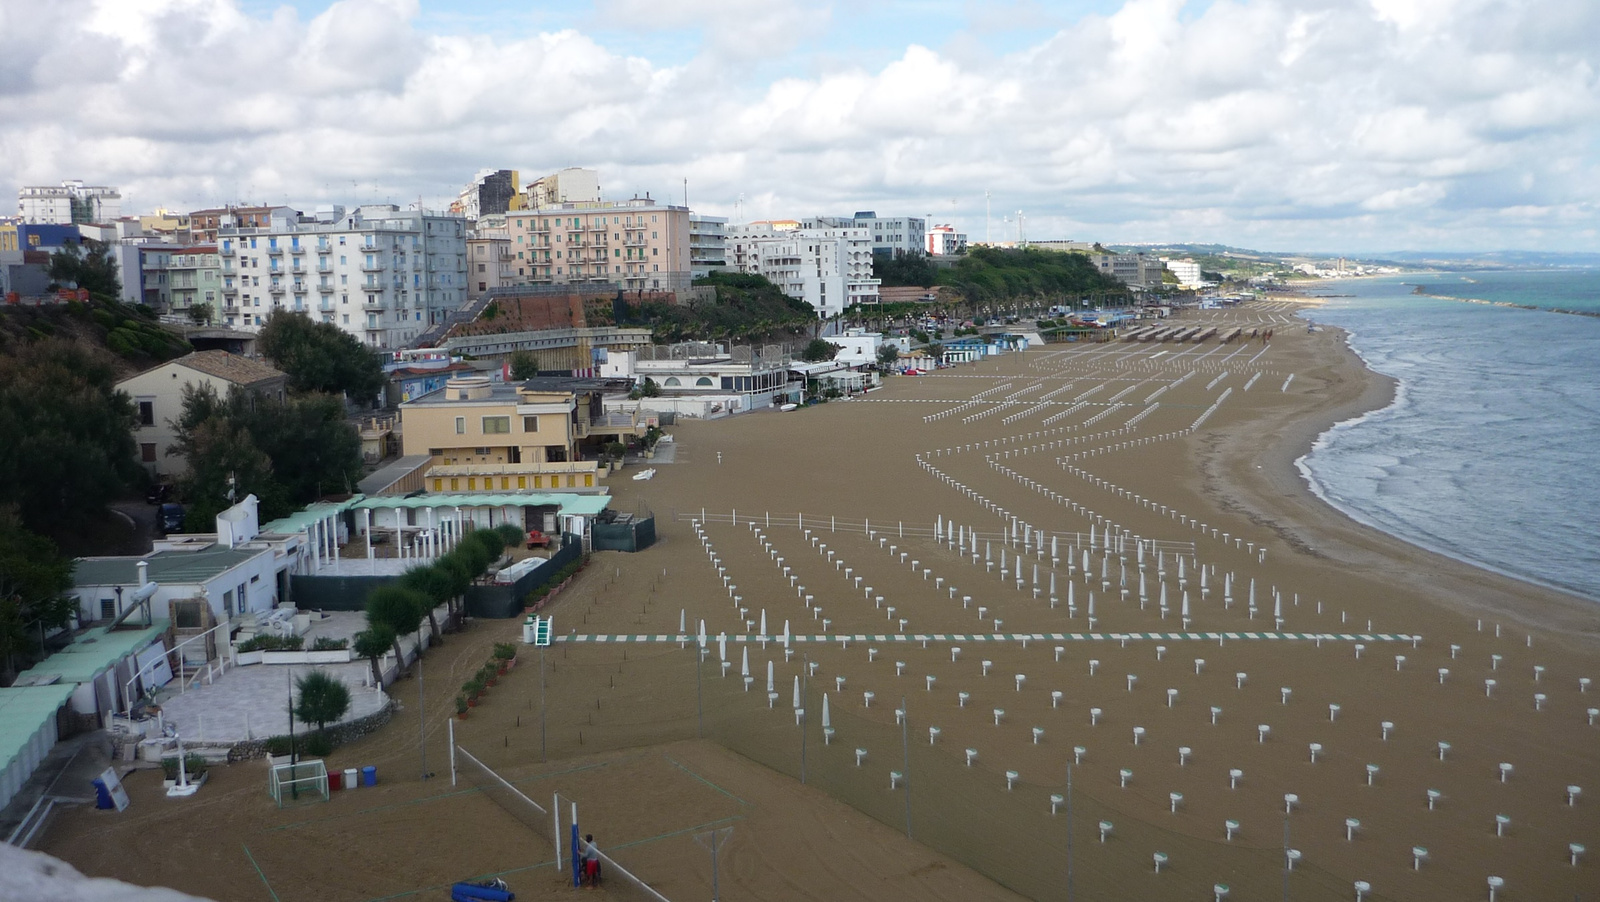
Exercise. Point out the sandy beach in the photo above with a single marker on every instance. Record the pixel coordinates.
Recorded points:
(656, 746)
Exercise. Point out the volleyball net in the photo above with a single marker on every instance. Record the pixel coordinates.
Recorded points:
(566, 851)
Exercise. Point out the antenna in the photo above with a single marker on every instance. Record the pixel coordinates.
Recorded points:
(986, 217)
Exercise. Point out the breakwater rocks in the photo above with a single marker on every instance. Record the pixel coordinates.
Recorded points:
(1423, 290)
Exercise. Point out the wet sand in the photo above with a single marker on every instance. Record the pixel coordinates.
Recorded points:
(619, 732)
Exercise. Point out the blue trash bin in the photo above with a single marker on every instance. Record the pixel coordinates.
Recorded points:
(369, 775)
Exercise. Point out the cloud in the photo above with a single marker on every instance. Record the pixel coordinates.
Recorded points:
(1305, 123)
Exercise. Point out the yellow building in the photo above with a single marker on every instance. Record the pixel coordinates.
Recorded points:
(485, 436)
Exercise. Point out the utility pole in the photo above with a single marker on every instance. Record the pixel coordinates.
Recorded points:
(986, 218)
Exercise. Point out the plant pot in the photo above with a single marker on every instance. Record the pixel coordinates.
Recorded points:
(463, 715)
(472, 702)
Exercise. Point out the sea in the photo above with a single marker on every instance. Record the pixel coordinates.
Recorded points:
(1490, 452)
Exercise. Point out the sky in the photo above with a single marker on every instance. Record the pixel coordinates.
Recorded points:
(1336, 126)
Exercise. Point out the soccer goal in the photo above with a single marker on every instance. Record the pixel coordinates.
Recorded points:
(304, 781)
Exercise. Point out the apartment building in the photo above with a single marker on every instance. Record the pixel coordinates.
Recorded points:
(380, 273)
(491, 193)
(1187, 271)
(1137, 271)
(828, 268)
(944, 240)
(708, 245)
(569, 186)
(177, 279)
(636, 244)
(489, 261)
(204, 224)
(70, 202)
(892, 236)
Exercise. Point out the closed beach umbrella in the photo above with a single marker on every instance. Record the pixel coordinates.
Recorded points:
(827, 721)
(770, 685)
(744, 662)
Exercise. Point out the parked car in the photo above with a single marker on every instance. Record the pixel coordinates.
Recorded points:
(170, 518)
(537, 539)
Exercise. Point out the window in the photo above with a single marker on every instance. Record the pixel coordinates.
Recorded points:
(108, 606)
(461, 425)
(530, 424)
(481, 267)
(147, 452)
(496, 425)
(672, 382)
(147, 413)
(703, 381)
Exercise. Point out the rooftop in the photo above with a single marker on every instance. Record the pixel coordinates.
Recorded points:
(173, 567)
(93, 651)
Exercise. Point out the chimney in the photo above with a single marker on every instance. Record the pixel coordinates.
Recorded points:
(144, 575)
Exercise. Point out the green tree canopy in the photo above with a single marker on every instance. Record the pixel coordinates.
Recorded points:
(818, 350)
(373, 643)
(286, 452)
(397, 610)
(67, 446)
(323, 699)
(888, 354)
(95, 270)
(321, 357)
(34, 580)
(524, 365)
(913, 269)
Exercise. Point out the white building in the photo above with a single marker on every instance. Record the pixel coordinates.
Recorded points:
(944, 239)
(382, 274)
(71, 202)
(828, 268)
(569, 186)
(857, 347)
(890, 236)
(157, 395)
(708, 239)
(1187, 271)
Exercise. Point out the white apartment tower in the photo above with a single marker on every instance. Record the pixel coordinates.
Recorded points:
(828, 268)
(71, 202)
(382, 274)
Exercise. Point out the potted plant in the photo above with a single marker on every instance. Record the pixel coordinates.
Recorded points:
(506, 654)
(488, 673)
(193, 764)
(474, 689)
(461, 706)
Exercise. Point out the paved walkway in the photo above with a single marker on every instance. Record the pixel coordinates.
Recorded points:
(1007, 637)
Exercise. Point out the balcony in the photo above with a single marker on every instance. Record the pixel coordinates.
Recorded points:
(275, 251)
(324, 266)
(325, 289)
(275, 289)
(227, 251)
(374, 305)
(297, 250)
(229, 290)
(373, 266)
(230, 309)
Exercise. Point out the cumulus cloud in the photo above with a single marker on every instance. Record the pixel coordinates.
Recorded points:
(1331, 124)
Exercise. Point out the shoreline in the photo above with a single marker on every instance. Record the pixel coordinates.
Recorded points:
(1282, 494)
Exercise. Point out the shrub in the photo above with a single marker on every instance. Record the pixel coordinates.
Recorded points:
(319, 745)
(504, 651)
(328, 643)
(279, 745)
(273, 643)
(193, 763)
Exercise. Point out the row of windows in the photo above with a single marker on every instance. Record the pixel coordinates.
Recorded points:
(536, 481)
(498, 425)
(576, 222)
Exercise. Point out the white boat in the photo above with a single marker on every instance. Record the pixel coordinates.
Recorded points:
(787, 407)
(645, 474)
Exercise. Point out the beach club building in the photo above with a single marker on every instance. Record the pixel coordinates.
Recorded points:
(482, 435)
